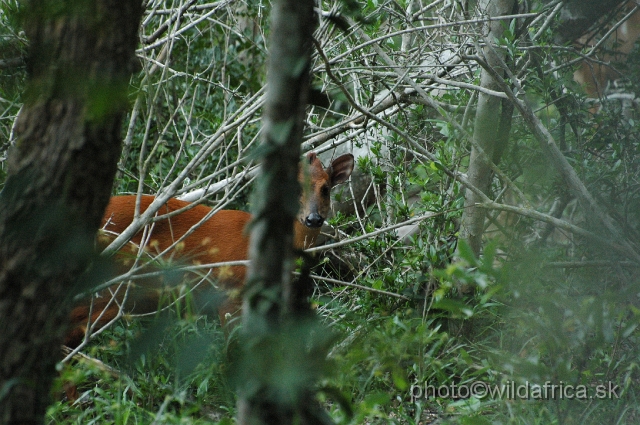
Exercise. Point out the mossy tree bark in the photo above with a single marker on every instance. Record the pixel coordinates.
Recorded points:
(267, 395)
(487, 134)
(60, 177)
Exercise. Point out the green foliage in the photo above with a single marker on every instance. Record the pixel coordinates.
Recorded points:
(172, 369)
(537, 305)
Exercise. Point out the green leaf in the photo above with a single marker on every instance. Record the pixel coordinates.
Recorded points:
(465, 252)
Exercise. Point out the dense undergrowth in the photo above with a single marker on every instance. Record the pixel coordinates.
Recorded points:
(565, 346)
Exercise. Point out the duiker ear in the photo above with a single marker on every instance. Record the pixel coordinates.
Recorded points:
(340, 169)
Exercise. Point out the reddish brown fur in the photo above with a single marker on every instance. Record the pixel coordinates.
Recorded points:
(221, 238)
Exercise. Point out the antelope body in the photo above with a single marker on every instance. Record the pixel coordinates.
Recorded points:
(221, 238)
(594, 76)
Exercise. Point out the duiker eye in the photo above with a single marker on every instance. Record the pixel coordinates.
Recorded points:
(325, 191)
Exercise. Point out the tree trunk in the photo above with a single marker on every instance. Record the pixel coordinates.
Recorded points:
(486, 129)
(270, 296)
(60, 176)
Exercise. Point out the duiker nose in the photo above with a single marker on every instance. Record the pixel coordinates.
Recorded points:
(314, 220)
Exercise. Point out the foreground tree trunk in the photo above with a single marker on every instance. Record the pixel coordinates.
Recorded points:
(266, 396)
(486, 134)
(59, 181)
